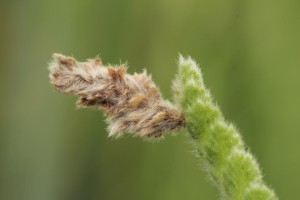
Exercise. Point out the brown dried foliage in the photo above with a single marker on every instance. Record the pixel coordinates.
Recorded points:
(132, 103)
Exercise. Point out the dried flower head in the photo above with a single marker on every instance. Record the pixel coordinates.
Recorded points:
(132, 103)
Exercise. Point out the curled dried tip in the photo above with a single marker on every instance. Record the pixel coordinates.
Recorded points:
(132, 103)
(64, 60)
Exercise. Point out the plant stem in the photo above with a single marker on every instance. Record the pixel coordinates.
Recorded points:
(232, 169)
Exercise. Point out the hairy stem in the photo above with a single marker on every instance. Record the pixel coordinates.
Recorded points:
(232, 169)
(133, 104)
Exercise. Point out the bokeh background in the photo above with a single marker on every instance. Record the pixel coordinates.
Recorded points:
(250, 55)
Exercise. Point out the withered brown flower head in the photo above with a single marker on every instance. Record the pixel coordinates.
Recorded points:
(132, 103)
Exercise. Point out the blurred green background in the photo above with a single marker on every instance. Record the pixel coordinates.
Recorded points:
(250, 55)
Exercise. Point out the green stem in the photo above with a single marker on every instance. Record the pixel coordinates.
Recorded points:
(232, 169)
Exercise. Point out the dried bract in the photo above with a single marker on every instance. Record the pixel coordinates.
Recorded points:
(132, 103)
